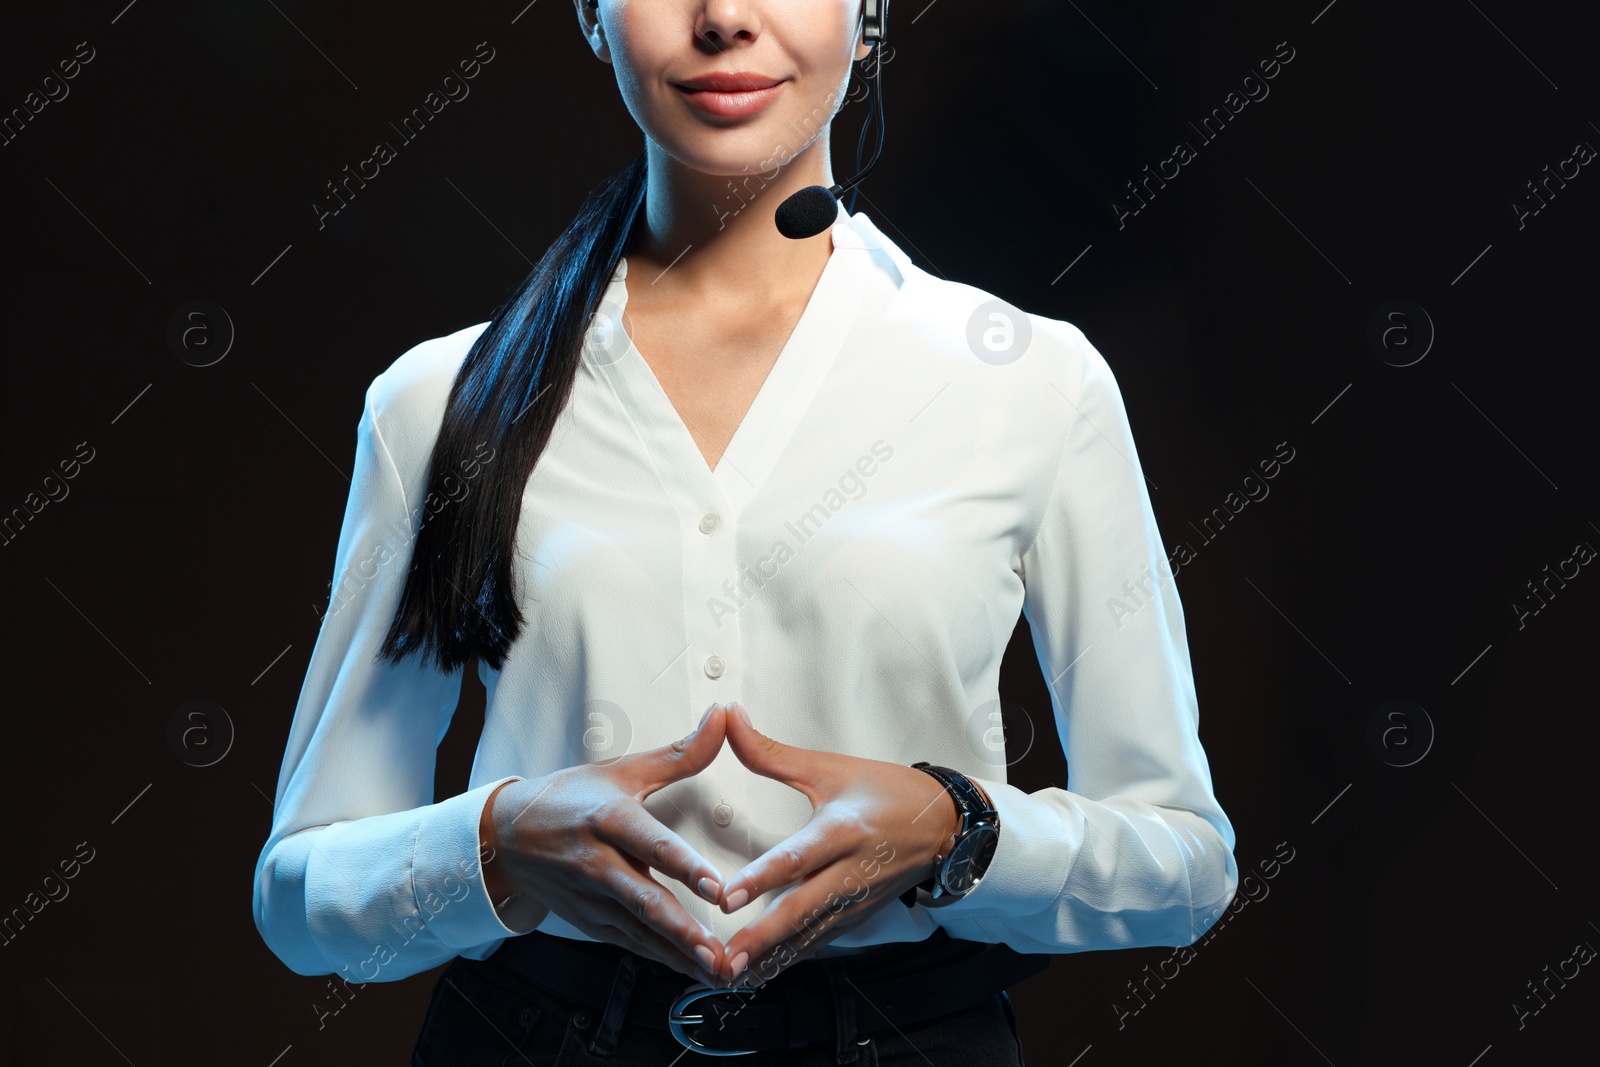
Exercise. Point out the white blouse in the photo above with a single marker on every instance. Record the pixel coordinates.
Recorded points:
(922, 463)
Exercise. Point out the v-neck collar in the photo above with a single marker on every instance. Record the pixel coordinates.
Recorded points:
(779, 405)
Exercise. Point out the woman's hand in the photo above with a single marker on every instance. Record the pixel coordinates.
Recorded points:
(874, 831)
(580, 843)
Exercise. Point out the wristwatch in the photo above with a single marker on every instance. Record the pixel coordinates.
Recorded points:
(959, 868)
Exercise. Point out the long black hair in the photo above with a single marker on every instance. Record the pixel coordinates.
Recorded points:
(460, 598)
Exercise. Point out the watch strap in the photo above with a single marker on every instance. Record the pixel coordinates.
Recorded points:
(970, 804)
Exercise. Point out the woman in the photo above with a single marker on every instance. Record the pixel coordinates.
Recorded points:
(786, 497)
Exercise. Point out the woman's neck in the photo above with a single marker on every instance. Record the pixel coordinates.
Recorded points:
(712, 236)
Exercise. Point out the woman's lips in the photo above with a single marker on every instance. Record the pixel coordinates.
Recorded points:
(731, 104)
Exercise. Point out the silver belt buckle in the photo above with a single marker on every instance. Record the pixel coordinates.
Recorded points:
(677, 1020)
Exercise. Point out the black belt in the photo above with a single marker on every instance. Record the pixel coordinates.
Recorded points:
(893, 986)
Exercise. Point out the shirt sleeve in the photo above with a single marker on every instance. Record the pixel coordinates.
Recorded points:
(1135, 851)
(362, 873)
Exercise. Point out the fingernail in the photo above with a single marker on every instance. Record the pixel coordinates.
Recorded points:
(745, 715)
(708, 888)
(739, 962)
(707, 716)
(737, 899)
(705, 956)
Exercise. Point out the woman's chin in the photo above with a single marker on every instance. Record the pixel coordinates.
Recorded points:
(727, 161)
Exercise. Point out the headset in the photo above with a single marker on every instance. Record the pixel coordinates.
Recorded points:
(874, 19)
(873, 15)
(814, 208)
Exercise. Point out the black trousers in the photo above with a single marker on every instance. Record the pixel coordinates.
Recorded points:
(483, 1014)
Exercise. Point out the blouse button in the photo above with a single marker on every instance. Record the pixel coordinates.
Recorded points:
(714, 666)
(708, 522)
(723, 814)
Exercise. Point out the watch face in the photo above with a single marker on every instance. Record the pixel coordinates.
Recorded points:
(970, 858)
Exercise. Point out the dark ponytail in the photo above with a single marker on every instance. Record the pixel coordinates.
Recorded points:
(460, 599)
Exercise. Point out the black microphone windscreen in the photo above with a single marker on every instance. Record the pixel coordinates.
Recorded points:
(807, 213)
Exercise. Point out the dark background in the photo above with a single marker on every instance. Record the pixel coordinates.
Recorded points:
(196, 545)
